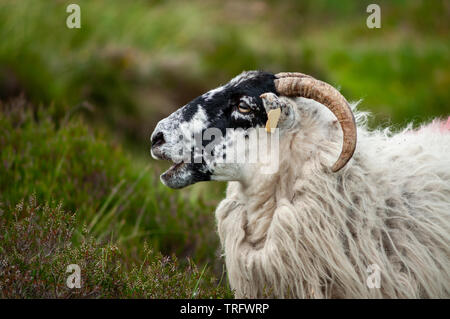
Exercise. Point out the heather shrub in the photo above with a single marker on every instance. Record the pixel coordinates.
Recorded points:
(116, 195)
(36, 248)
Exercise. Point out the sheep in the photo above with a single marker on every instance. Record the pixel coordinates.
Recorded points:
(374, 224)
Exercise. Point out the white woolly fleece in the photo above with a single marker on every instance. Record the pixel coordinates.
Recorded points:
(306, 232)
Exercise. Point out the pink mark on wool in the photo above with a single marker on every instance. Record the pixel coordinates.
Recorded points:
(439, 125)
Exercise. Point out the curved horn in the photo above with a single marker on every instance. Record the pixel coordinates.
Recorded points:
(299, 84)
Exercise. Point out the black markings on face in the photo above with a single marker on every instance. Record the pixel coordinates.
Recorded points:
(189, 112)
(234, 105)
(221, 105)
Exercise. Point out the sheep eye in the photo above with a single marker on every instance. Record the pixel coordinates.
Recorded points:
(243, 108)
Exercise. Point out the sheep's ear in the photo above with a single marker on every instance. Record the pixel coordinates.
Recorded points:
(272, 119)
(299, 84)
(275, 109)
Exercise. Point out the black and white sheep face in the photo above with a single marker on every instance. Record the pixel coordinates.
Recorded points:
(196, 136)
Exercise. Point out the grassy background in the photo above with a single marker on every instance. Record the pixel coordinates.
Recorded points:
(78, 107)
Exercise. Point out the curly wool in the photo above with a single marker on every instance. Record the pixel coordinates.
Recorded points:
(306, 232)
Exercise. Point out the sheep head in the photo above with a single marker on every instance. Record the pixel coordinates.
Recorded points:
(197, 136)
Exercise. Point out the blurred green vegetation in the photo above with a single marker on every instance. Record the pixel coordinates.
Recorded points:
(115, 195)
(118, 201)
(135, 62)
(36, 248)
(79, 104)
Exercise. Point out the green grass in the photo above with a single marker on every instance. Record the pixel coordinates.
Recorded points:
(36, 248)
(89, 98)
(136, 62)
(112, 193)
(121, 210)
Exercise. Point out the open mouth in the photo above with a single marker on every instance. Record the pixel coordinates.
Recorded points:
(157, 154)
(175, 168)
(176, 176)
(182, 173)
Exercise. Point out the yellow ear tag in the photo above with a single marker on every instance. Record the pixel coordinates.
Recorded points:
(272, 119)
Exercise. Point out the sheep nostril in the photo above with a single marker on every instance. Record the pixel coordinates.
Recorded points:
(158, 139)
